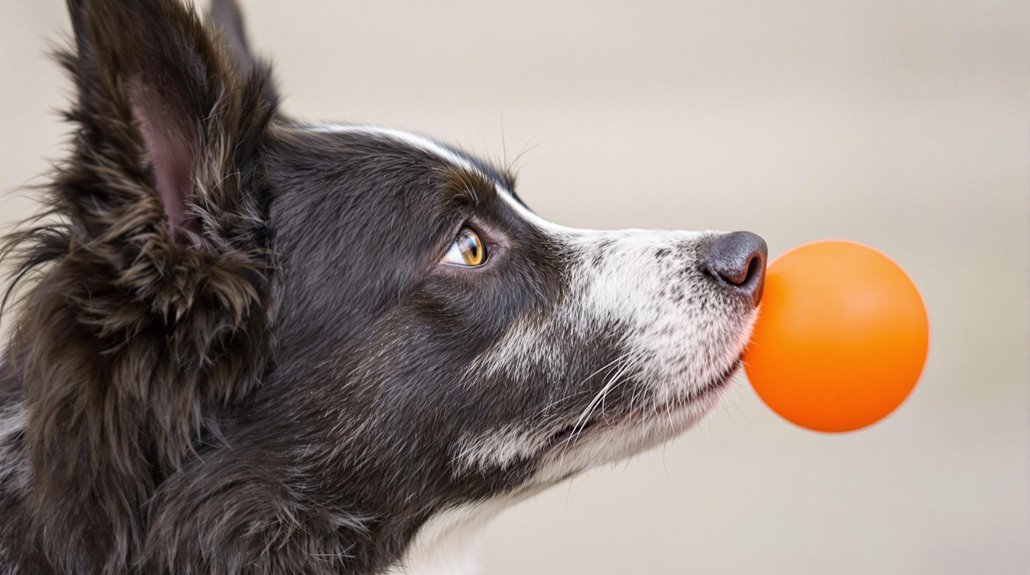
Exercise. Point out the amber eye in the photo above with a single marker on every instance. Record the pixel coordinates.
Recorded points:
(467, 249)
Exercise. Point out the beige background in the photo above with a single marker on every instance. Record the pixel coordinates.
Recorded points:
(902, 124)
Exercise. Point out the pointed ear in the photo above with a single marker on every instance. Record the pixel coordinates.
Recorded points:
(225, 16)
(150, 316)
(162, 106)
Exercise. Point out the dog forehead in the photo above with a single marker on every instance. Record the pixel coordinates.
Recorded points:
(402, 142)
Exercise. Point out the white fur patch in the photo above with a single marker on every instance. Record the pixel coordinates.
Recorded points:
(499, 448)
(413, 140)
(447, 543)
(680, 331)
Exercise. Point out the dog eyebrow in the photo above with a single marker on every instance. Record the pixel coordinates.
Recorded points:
(467, 186)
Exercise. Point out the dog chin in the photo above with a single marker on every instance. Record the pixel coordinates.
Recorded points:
(602, 441)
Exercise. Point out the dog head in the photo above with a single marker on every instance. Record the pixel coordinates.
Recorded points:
(314, 337)
(454, 332)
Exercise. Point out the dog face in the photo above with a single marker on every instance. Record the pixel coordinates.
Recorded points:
(471, 347)
(287, 346)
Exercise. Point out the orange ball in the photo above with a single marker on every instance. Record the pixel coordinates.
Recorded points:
(841, 337)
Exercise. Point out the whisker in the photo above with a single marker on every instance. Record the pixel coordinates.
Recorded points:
(613, 383)
(606, 366)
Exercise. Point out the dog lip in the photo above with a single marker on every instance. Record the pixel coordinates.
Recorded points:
(712, 386)
(573, 433)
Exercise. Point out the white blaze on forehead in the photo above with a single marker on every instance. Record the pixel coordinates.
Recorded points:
(450, 156)
(535, 219)
(414, 140)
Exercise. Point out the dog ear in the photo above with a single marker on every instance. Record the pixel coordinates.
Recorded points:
(166, 229)
(227, 18)
(162, 106)
(150, 318)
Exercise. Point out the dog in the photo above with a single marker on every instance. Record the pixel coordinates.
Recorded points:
(246, 344)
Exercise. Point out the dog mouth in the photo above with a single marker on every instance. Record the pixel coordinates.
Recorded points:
(575, 432)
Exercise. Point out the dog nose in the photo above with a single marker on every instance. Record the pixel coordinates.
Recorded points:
(737, 262)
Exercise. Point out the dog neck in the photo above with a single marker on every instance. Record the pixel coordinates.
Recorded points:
(448, 544)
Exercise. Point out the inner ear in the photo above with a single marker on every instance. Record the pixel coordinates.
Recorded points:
(172, 146)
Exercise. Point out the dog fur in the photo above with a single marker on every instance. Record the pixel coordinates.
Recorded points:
(239, 348)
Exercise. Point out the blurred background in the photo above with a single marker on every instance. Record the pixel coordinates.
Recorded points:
(899, 123)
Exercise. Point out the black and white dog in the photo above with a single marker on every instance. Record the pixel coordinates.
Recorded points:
(249, 345)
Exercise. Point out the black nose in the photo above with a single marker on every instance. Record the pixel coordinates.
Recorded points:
(737, 262)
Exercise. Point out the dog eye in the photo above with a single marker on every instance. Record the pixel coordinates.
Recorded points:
(467, 249)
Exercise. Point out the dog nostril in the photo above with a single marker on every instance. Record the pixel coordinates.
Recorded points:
(753, 267)
(737, 261)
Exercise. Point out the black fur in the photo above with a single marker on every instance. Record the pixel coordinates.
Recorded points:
(236, 349)
(160, 437)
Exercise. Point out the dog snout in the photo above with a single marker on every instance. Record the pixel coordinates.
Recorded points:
(736, 261)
